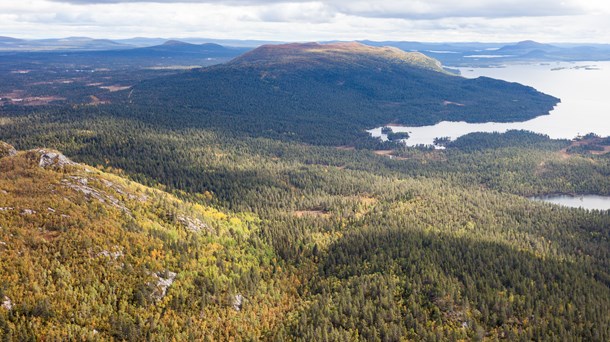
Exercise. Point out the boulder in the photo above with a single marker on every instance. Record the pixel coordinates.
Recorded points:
(7, 303)
(6, 150)
(163, 283)
(51, 159)
(238, 302)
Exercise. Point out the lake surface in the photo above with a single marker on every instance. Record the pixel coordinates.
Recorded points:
(586, 201)
(582, 88)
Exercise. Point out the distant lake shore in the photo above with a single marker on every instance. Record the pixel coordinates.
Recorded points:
(580, 86)
(591, 202)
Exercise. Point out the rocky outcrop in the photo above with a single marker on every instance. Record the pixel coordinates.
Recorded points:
(51, 159)
(7, 150)
(121, 191)
(238, 302)
(7, 303)
(117, 253)
(28, 212)
(193, 224)
(164, 281)
(81, 184)
(46, 158)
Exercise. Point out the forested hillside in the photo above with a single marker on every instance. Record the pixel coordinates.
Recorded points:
(86, 255)
(429, 245)
(329, 94)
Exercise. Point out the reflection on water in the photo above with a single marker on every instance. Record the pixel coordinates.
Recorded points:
(585, 201)
(582, 88)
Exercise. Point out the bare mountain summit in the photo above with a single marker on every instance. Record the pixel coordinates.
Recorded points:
(320, 55)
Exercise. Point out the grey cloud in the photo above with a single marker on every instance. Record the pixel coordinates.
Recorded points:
(312, 12)
(69, 18)
(399, 9)
(280, 17)
(218, 2)
(435, 9)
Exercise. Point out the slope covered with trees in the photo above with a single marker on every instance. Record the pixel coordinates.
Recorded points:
(329, 94)
(86, 255)
(433, 246)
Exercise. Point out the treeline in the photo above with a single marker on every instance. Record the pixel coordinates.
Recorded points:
(511, 139)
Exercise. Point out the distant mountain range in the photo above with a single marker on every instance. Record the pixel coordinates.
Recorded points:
(451, 54)
(90, 44)
(481, 54)
(169, 53)
(174, 47)
(144, 42)
(70, 43)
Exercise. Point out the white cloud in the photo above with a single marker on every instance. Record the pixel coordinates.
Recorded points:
(434, 9)
(412, 9)
(309, 12)
(431, 20)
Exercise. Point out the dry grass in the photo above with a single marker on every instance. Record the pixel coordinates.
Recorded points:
(312, 213)
(114, 88)
(388, 153)
(565, 155)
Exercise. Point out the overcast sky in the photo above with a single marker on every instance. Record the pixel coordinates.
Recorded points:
(302, 20)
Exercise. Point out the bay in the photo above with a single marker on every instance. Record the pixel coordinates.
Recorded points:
(582, 88)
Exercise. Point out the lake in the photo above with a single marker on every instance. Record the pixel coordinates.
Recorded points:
(585, 201)
(581, 86)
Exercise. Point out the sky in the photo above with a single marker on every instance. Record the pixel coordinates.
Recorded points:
(577, 21)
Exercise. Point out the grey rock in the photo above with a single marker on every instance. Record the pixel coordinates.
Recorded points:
(163, 283)
(193, 224)
(238, 302)
(28, 212)
(7, 303)
(55, 160)
(81, 185)
(7, 150)
(114, 255)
